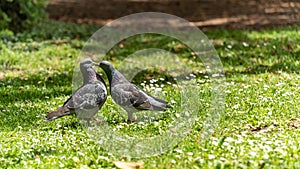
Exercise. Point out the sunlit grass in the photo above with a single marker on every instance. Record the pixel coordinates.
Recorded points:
(259, 127)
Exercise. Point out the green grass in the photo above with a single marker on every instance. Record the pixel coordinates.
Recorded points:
(259, 127)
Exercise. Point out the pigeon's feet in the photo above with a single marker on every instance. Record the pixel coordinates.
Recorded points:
(132, 119)
(97, 120)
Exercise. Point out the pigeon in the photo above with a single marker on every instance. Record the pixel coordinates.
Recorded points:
(86, 100)
(128, 95)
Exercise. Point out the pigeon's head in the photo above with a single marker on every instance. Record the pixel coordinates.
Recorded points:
(87, 63)
(106, 66)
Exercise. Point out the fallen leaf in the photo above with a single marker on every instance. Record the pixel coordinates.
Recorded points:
(294, 123)
(129, 165)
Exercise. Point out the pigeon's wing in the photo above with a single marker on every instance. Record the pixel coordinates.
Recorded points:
(129, 95)
(156, 103)
(155, 98)
(88, 96)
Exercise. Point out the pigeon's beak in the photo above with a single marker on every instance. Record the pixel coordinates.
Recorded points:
(100, 64)
(96, 64)
(104, 64)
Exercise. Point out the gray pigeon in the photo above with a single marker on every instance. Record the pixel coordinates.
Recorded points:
(86, 100)
(129, 96)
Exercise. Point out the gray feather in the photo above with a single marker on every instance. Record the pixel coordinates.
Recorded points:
(86, 100)
(129, 96)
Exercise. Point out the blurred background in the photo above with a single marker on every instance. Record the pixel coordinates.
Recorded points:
(239, 14)
(204, 13)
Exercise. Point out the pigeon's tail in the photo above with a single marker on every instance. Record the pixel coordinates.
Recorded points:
(60, 112)
(159, 105)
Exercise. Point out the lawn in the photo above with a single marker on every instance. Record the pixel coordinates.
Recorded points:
(258, 128)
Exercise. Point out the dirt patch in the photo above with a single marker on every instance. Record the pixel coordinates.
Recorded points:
(203, 13)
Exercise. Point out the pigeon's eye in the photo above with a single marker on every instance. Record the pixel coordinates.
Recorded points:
(88, 63)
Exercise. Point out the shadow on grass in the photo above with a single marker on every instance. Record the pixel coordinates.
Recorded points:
(38, 86)
(50, 29)
(252, 52)
(271, 50)
(25, 100)
(275, 68)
